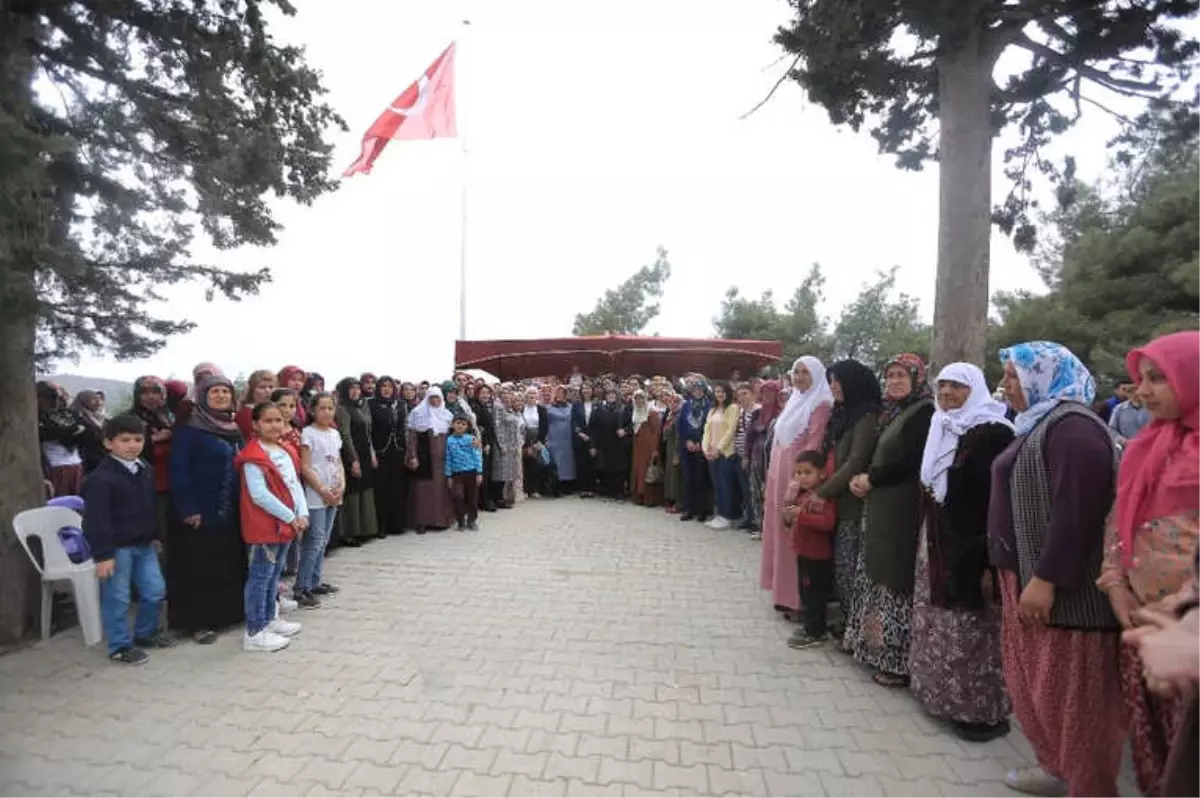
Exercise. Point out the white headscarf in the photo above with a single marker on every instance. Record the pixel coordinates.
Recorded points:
(640, 413)
(948, 426)
(800, 405)
(425, 417)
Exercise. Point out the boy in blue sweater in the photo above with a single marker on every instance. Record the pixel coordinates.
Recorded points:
(120, 524)
(464, 470)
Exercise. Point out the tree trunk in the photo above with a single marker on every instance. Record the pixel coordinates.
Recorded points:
(965, 199)
(20, 471)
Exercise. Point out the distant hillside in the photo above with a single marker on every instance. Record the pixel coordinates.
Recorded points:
(119, 394)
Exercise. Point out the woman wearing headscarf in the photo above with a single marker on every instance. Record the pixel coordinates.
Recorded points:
(150, 405)
(954, 656)
(506, 458)
(536, 476)
(1152, 534)
(481, 405)
(313, 385)
(429, 503)
(647, 432)
(389, 418)
(799, 427)
(1051, 490)
(697, 484)
(200, 372)
(408, 393)
(669, 449)
(359, 523)
(560, 440)
(60, 434)
(177, 391)
(367, 383)
(878, 631)
(850, 438)
(259, 387)
(581, 417)
(88, 407)
(293, 378)
(759, 435)
(610, 431)
(456, 402)
(206, 569)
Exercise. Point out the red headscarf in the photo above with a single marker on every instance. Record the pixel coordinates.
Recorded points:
(287, 372)
(768, 394)
(1160, 469)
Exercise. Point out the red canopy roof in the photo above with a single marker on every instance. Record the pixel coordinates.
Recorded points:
(619, 354)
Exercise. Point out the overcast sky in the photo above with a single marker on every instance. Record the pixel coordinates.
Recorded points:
(597, 131)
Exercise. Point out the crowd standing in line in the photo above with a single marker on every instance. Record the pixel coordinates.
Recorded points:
(1021, 557)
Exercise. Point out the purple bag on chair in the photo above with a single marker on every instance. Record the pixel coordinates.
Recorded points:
(71, 537)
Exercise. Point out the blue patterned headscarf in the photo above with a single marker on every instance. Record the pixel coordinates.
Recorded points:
(1049, 373)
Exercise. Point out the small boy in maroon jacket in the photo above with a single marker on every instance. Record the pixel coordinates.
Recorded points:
(812, 532)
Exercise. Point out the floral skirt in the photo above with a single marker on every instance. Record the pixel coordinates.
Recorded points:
(879, 624)
(846, 542)
(954, 657)
(1154, 722)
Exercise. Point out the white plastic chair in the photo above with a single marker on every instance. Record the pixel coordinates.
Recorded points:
(43, 523)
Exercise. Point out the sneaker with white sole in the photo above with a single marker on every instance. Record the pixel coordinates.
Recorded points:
(287, 605)
(264, 641)
(719, 523)
(283, 628)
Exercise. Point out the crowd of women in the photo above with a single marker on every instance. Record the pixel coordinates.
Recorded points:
(993, 557)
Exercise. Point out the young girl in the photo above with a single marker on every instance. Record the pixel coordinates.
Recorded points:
(274, 513)
(286, 399)
(258, 391)
(325, 482)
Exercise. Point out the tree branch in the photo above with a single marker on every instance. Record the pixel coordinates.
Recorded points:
(775, 88)
(1129, 88)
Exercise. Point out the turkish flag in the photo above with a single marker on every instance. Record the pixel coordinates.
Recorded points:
(424, 111)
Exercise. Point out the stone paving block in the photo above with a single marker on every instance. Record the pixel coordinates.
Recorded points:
(521, 785)
(552, 742)
(642, 727)
(419, 781)
(597, 745)
(465, 734)
(270, 788)
(222, 785)
(332, 773)
(678, 730)
(693, 778)
(474, 784)
(625, 772)
(499, 737)
(584, 768)
(923, 767)
(508, 761)
(410, 752)
(722, 781)
(460, 758)
(370, 776)
(851, 785)
(591, 724)
(654, 750)
(803, 760)
(584, 789)
(275, 766)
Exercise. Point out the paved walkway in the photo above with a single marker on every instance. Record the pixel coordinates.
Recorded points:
(569, 648)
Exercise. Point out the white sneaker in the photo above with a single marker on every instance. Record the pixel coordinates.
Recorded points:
(264, 641)
(283, 628)
(286, 605)
(719, 523)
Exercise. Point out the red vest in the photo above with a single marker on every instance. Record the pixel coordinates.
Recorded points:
(259, 526)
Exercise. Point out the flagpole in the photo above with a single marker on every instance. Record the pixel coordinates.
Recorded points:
(462, 136)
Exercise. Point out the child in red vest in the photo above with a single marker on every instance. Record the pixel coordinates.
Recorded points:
(812, 531)
(274, 513)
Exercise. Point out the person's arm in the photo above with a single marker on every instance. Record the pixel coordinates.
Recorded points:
(343, 427)
(706, 439)
(477, 458)
(260, 494)
(864, 435)
(752, 433)
(680, 434)
(97, 517)
(725, 444)
(912, 448)
(448, 459)
(543, 424)
(1080, 461)
(307, 472)
(183, 494)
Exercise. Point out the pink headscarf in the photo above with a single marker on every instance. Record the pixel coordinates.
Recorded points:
(1160, 469)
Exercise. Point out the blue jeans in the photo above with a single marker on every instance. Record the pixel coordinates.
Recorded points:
(262, 584)
(132, 565)
(742, 475)
(312, 547)
(724, 485)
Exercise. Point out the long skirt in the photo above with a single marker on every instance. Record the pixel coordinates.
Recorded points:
(847, 540)
(1154, 723)
(585, 468)
(954, 657)
(757, 490)
(206, 577)
(1066, 694)
(1182, 777)
(66, 480)
(880, 624)
(777, 562)
(358, 515)
(391, 494)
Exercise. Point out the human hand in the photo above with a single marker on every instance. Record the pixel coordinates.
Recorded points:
(487, 449)
(1124, 605)
(675, 460)
(583, 437)
(412, 464)
(193, 521)
(355, 469)
(813, 504)
(476, 442)
(374, 460)
(860, 486)
(303, 523)
(1037, 599)
(592, 452)
(691, 446)
(105, 568)
(478, 480)
(710, 455)
(158, 546)
(1168, 649)
(620, 433)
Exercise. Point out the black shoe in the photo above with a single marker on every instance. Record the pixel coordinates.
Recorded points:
(504, 506)
(352, 543)
(801, 639)
(472, 526)
(420, 530)
(307, 600)
(381, 535)
(324, 589)
(981, 732)
(490, 507)
(686, 517)
(130, 656)
(289, 572)
(462, 526)
(156, 640)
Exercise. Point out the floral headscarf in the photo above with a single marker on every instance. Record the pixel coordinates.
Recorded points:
(915, 367)
(155, 419)
(1049, 373)
(207, 418)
